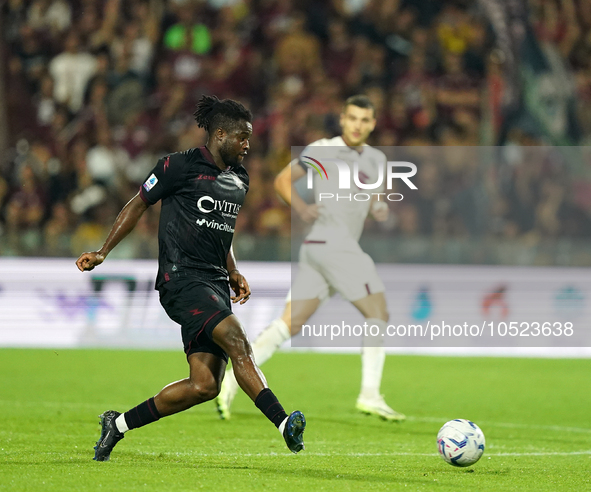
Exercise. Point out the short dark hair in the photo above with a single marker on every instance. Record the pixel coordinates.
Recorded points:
(211, 113)
(361, 101)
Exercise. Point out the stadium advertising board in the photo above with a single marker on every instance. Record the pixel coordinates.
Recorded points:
(49, 303)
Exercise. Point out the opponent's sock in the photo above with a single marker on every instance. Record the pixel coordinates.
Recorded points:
(372, 362)
(269, 340)
(265, 345)
(121, 424)
(267, 403)
(145, 413)
(230, 384)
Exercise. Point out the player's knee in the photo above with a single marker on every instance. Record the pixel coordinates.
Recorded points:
(232, 338)
(238, 350)
(204, 391)
(236, 343)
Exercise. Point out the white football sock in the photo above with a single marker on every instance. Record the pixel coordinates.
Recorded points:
(265, 345)
(372, 362)
(270, 339)
(121, 424)
(282, 425)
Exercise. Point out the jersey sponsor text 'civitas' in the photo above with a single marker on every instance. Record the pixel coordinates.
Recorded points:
(207, 204)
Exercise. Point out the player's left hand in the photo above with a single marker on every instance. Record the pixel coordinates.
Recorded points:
(380, 211)
(240, 287)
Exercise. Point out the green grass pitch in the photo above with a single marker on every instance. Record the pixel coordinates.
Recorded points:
(535, 413)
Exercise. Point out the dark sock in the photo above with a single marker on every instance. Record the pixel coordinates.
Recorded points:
(144, 413)
(267, 403)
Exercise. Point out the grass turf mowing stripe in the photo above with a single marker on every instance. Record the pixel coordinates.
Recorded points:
(534, 413)
(358, 455)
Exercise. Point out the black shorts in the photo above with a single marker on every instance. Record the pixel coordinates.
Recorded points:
(198, 306)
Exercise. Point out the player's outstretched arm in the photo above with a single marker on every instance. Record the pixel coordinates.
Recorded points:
(287, 191)
(124, 224)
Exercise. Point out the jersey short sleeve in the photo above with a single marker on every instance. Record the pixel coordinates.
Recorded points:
(163, 179)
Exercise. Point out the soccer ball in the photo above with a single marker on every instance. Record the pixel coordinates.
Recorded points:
(460, 442)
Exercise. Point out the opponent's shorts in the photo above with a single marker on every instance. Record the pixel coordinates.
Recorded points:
(198, 306)
(326, 268)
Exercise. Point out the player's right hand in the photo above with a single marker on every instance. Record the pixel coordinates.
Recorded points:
(88, 261)
(310, 213)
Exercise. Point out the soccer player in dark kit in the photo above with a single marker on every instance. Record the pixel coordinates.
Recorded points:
(202, 190)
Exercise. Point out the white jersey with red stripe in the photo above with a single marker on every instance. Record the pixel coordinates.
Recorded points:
(331, 259)
(342, 212)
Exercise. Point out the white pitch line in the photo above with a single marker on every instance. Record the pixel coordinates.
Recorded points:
(557, 453)
(439, 420)
(357, 455)
(481, 423)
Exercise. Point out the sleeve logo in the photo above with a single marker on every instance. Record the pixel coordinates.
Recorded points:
(150, 182)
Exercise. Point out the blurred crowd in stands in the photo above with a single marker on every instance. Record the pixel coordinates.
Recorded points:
(96, 90)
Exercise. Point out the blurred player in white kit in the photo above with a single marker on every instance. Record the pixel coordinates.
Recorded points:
(331, 259)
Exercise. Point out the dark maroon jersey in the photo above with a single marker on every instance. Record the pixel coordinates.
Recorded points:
(200, 204)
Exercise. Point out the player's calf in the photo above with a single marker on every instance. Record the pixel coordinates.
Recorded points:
(183, 396)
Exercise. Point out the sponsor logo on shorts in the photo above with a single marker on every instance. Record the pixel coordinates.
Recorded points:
(150, 182)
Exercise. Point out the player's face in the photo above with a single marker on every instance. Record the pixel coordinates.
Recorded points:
(236, 144)
(357, 123)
